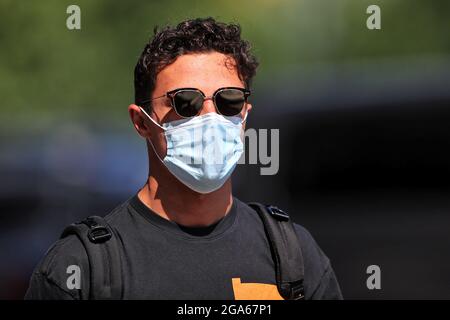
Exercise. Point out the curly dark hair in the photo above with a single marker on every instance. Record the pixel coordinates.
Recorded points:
(190, 36)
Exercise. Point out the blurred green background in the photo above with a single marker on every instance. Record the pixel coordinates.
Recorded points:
(363, 116)
(51, 74)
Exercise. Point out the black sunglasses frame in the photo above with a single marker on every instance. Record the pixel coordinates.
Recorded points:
(171, 96)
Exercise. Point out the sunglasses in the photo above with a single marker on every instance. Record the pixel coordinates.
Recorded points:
(188, 102)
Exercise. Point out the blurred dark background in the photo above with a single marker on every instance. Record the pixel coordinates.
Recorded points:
(363, 117)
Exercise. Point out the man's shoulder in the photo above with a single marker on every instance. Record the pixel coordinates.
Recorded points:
(313, 254)
(65, 265)
(70, 249)
(306, 240)
(119, 214)
(316, 263)
(66, 250)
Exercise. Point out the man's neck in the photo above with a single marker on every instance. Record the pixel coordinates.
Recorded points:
(176, 202)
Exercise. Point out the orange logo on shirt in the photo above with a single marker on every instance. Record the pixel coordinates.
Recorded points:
(254, 291)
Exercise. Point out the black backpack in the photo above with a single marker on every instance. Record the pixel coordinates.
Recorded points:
(102, 247)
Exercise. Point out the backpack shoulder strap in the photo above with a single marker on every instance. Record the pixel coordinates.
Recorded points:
(102, 248)
(285, 248)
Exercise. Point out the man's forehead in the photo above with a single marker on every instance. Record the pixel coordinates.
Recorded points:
(210, 59)
(197, 68)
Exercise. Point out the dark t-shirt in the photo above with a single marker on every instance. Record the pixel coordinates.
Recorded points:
(163, 260)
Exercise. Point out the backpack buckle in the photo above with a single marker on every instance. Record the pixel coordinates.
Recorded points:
(277, 213)
(97, 233)
(292, 290)
(297, 290)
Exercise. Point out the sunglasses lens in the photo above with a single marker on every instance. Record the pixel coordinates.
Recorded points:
(230, 102)
(188, 103)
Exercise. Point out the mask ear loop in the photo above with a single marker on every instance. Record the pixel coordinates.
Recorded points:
(142, 109)
(242, 128)
(245, 117)
(150, 140)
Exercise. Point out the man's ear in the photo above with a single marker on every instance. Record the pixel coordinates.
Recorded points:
(249, 106)
(139, 120)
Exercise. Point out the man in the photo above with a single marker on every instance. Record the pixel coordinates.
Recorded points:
(184, 235)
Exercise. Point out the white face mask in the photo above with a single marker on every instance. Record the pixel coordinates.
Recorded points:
(202, 151)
